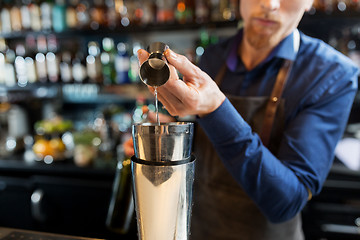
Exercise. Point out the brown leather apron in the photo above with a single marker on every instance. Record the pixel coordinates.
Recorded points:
(222, 210)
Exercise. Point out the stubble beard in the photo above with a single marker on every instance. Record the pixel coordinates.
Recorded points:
(258, 37)
(254, 39)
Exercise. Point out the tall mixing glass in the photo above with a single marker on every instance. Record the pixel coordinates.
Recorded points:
(163, 174)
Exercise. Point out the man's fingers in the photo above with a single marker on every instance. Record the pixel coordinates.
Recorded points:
(142, 55)
(181, 63)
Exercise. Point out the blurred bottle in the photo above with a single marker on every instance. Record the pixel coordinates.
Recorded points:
(184, 12)
(228, 10)
(40, 59)
(83, 17)
(136, 12)
(46, 15)
(79, 68)
(71, 14)
(10, 79)
(108, 61)
(15, 15)
(122, 7)
(121, 208)
(59, 16)
(202, 11)
(2, 60)
(122, 64)
(52, 59)
(5, 18)
(25, 15)
(149, 12)
(165, 11)
(109, 134)
(112, 15)
(134, 63)
(30, 58)
(66, 67)
(97, 14)
(215, 11)
(93, 63)
(2, 68)
(20, 65)
(35, 15)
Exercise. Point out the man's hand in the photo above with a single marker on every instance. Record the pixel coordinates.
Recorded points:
(196, 94)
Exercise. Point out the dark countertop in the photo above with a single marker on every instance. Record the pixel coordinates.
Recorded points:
(15, 234)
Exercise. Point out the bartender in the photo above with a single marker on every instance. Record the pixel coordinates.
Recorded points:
(272, 104)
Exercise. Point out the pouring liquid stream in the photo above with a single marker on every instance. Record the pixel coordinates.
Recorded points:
(156, 106)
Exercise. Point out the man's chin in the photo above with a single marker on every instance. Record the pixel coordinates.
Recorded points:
(264, 39)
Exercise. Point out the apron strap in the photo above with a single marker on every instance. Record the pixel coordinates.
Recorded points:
(274, 101)
(276, 93)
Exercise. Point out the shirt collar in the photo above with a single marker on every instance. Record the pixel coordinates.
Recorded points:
(286, 49)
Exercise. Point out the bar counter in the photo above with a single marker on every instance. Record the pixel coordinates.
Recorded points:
(59, 198)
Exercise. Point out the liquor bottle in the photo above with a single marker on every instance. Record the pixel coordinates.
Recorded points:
(184, 12)
(71, 14)
(136, 12)
(125, 11)
(25, 15)
(2, 60)
(52, 61)
(93, 63)
(46, 18)
(5, 18)
(59, 16)
(215, 11)
(97, 14)
(40, 59)
(108, 61)
(111, 14)
(35, 16)
(66, 67)
(121, 212)
(202, 11)
(134, 63)
(83, 17)
(15, 15)
(20, 65)
(30, 58)
(122, 64)
(165, 11)
(2, 68)
(10, 79)
(149, 12)
(79, 68)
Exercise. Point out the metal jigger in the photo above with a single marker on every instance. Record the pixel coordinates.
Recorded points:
(155, 70)
(163, 174)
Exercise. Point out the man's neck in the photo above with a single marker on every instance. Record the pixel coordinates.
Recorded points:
(251, 56)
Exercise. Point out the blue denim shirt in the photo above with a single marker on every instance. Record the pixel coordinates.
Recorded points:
(318, 97)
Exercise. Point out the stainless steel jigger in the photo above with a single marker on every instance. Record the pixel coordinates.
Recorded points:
(163, 174)
(155, 70)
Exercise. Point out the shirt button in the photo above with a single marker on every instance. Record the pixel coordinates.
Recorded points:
(274, 99)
